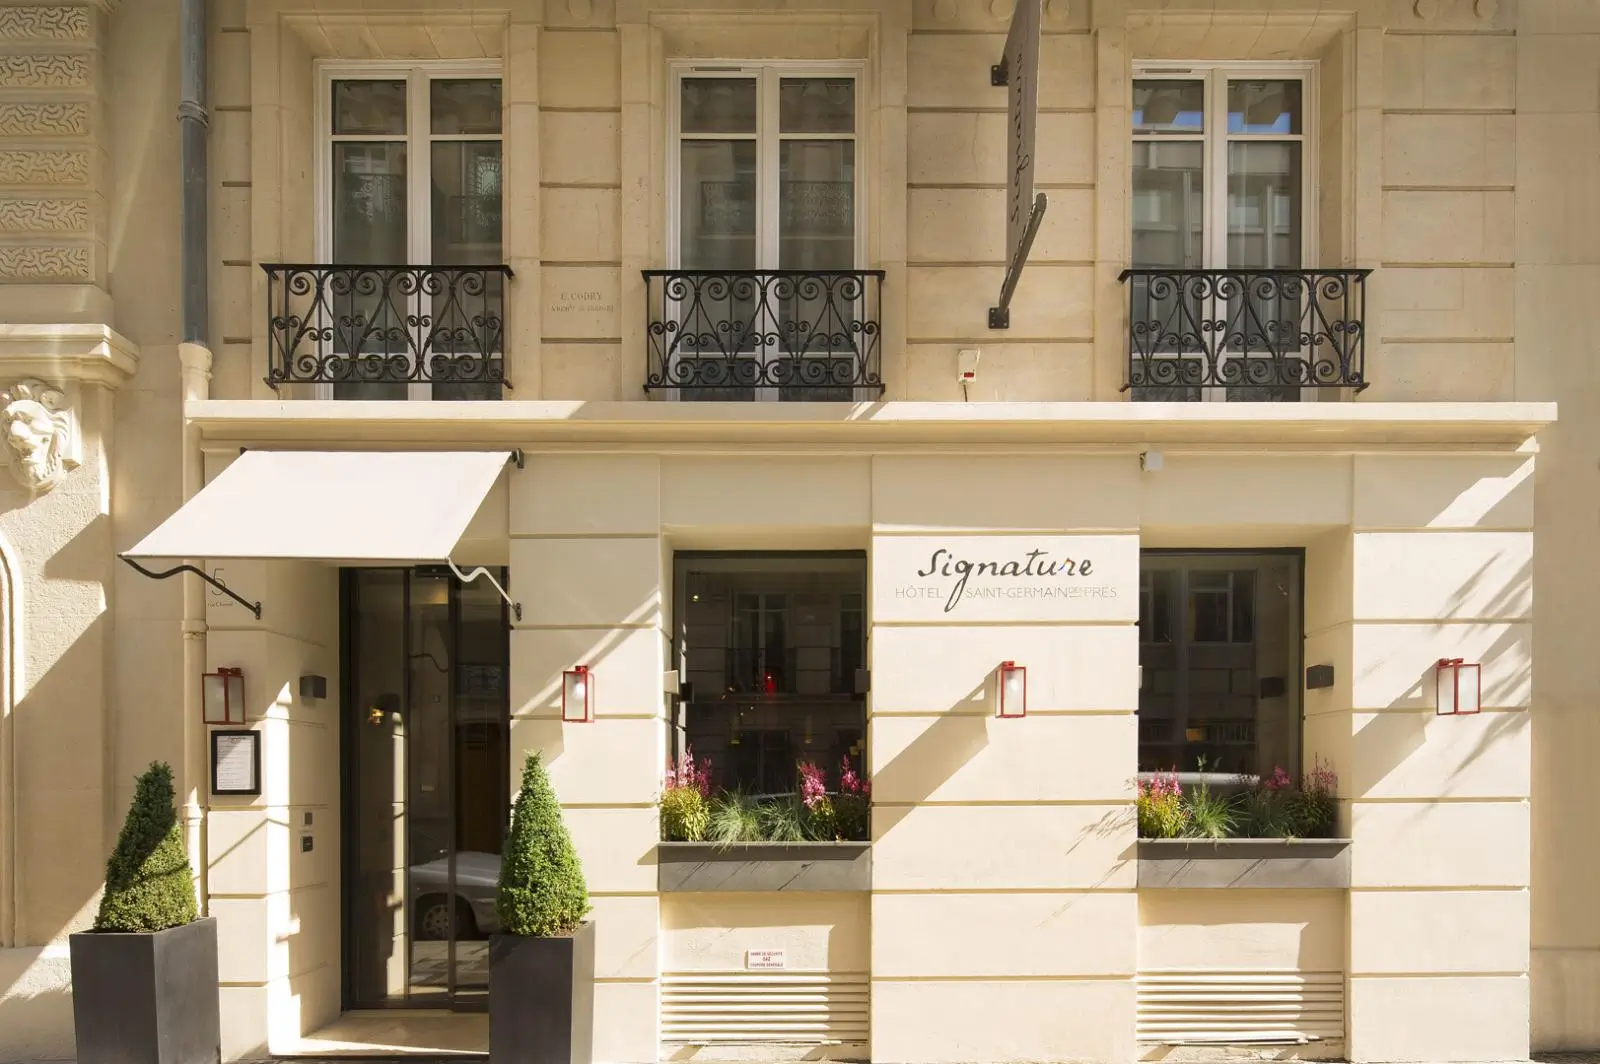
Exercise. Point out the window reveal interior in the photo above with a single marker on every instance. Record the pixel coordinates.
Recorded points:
(769, 648)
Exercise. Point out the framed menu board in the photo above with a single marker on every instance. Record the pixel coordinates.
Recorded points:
(235, 762)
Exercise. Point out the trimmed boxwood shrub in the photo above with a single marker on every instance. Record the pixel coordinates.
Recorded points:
(149, 882)
(542, 892)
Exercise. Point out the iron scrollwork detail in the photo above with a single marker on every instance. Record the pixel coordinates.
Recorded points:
(1260, 334)
(727, 334)
(386, 324)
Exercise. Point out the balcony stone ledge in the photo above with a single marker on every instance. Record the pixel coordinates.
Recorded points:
(1497, 427)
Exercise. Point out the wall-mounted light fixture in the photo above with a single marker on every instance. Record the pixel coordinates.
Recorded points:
(222, 696)
(313, 688)
(1012, 691)
(1459, 686)
(577, 695)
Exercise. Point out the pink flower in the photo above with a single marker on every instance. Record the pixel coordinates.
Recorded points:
(1278, 781)
(687, 774)
(813, 788)
(849, 782)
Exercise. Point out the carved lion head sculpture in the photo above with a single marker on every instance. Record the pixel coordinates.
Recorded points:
(39, 431)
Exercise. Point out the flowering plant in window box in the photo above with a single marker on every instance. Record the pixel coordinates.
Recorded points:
(686, 800)
(1273, 806)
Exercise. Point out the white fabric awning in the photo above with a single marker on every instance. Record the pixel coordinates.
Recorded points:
(354, 507)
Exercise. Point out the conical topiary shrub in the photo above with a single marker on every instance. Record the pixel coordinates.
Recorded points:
(149, 882)
(542, 891)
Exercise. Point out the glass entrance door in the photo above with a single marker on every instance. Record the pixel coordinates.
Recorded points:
(426, 711)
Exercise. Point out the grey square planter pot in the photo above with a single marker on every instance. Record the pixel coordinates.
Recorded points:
(1273, 864)
(541, 998)
(764, 866)
(147, 998)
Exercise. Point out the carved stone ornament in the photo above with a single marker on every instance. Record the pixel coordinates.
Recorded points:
(1425, 9)
(1002, 9)
(40, 432)
(1486, 9)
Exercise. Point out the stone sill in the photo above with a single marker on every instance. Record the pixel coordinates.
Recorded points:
(748, 867)
(1272, 864)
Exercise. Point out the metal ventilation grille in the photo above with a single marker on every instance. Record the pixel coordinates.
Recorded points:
(811, 1008)
(1198, 1007)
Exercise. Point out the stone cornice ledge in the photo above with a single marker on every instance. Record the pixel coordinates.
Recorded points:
(93, 354)
(1111, 425)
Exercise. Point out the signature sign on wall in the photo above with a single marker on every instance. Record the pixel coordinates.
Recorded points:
(1005, 578)
(1037, 575)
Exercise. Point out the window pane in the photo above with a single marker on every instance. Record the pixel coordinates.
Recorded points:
(717, 212)
(816, 204)
(466, 203)
(465, 106)
(1244, 606)
(1169, 106)
(1168, 205)
(817, 105)
(1264, 208)
(718, 105)
(1264, 106)
(369, 108)
(369, 203)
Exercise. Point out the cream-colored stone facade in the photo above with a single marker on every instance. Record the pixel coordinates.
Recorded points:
(1444, 511)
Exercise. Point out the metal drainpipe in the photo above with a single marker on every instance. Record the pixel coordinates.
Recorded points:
(194, 356)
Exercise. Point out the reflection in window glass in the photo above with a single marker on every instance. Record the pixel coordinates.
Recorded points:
(368, 108)
(816, 204)
(769, 649)
(1168, 205)
(718, 204)
(1264, 205)
(817, 105)
(1264, 106)
(369, 203)
(718, 105)
(1222, 691)
(465, 107)
(1164, 106)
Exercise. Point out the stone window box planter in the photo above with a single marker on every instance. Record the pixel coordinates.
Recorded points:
(1274, 864)
(764, 866)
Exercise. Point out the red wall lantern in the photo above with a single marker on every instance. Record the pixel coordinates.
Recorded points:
(222, 696)
(577, 695)
(1013, 690)
(1459, 687)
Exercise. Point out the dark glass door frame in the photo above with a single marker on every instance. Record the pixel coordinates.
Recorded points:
(349, 737)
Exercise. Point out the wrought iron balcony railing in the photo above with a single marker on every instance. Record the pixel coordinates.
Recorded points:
(747, 335)
(1259, 334)
(375, 331)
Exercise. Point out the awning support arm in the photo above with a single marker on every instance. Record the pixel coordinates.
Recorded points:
(467, 578)
(253, 607)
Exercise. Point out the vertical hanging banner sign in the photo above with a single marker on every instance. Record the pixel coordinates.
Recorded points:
(1018, 69)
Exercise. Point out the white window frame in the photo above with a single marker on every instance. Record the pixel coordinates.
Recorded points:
(418, 138)
(768, 136)
(1215, 140)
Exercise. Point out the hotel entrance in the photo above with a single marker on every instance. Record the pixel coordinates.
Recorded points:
(425, 718)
